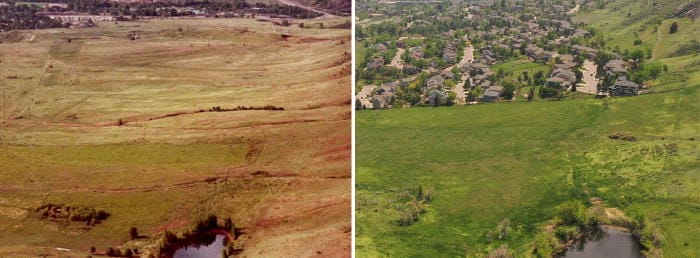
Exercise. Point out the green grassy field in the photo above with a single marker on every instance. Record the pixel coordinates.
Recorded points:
(518, 161)
(283, 176)
(520, 65)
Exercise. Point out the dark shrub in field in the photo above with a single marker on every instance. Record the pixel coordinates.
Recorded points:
(72, 213)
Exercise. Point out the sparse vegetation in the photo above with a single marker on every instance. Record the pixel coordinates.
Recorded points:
(622, 136)
(162, 172)
(412, 202)
(61, 212)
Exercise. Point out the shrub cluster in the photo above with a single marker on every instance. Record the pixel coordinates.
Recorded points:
(116, 252)
(573, 222)
(86, 214)
(649, 236)
(413, 200)
(266, 107)
(622, 136)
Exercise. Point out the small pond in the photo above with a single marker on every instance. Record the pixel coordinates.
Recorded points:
(608, 242)
(210, 248)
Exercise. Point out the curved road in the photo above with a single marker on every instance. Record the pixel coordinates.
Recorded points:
(459, 88)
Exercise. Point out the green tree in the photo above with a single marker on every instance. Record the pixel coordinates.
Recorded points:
(449, 84)
(457, 75)
(437, 98)
(674, 28)
(508, 89)
(451, 98)
(475, 92)
(572, 213)
(545, 245)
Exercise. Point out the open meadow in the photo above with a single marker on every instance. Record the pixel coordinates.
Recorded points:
(161, 122)
(517, 163)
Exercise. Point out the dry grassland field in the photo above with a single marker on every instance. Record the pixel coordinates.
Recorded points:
(122, 118)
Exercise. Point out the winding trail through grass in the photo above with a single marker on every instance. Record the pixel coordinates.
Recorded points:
(658, 43)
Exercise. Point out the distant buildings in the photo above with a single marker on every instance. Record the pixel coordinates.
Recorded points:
(536, 31)
(417, 52)
(615, 67)
(491, 94)
(375, 63)
(624, 87)
(449, 54)
(434, 82)
(363, 99)
(373, 97)
(410, 69)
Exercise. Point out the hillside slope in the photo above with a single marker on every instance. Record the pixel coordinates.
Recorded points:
(92, 118)
(619, 23)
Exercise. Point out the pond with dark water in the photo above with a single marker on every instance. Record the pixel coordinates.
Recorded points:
(205, 249)
(608, 242)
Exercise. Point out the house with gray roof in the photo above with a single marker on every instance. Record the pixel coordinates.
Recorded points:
(375, 63)
(615, 67)
(363, 99)
(624, 87)
(434, 82)
(490, 96)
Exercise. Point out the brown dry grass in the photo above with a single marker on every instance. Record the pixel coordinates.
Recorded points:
(282, 175)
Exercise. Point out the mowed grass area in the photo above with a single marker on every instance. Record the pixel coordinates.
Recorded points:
(518, 161)
(283, 176)
(520, 65)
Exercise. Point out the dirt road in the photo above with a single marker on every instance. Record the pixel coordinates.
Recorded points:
(292, 3)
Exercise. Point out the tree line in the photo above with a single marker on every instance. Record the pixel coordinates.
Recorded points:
(24, 17)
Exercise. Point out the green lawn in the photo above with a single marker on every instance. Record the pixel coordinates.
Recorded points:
(518, 161)
(520, 65)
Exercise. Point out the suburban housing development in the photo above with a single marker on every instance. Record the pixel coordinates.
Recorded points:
(486, 51)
